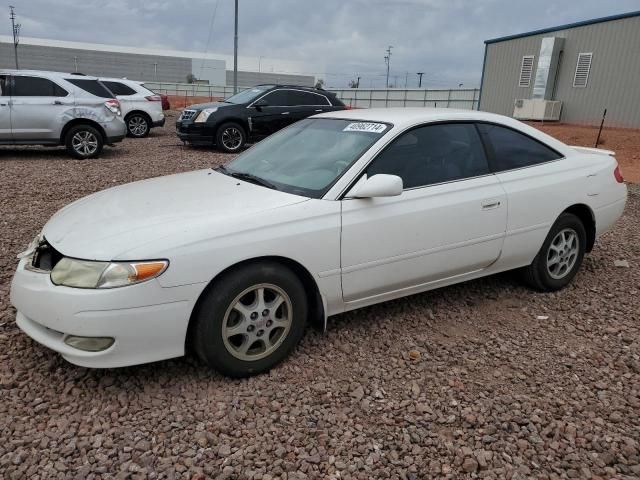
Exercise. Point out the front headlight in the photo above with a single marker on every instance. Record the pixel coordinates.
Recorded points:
(87, 274)
(204, 114)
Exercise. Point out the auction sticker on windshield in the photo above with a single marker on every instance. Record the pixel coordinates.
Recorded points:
(365, 127)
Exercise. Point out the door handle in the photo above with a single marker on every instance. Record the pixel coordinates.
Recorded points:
(285, 113)
(490, 204)
(57, 102)
(319, 110)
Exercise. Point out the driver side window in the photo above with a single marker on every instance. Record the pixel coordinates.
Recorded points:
(433, 154)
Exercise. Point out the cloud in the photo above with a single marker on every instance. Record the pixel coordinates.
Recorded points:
(333, 39)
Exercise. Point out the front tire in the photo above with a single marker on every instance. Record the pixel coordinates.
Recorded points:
(84, 141)
(250, 319)
(230, 137)
(138, 125)
(560, 257)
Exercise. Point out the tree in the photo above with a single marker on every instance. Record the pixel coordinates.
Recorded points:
(191, 78)
(320, 84)
(353, 84)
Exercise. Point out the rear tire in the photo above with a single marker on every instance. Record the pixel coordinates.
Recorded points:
(84, 141)
(250, 319)
(230, 137)
(560, 257)
(138, 125)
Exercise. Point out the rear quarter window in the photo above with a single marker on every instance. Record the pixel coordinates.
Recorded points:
(119, 88)
(509, 149)
(94, 87)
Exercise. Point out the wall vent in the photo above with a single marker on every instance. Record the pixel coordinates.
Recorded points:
(583, 67)
(526, 69)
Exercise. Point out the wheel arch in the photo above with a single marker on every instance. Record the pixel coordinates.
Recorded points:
(81, 121)
(315, 300)
(586, 216)
(141, 112)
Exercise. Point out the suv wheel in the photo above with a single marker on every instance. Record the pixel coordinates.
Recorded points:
(230, 137)
(137, 125)
(84, 141)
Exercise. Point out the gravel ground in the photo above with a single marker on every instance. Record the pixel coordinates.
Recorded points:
(481, 380)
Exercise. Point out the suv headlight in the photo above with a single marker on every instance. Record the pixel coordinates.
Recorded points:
(204, 114)
(71, 272)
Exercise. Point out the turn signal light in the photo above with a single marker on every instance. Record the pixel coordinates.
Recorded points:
(147, 270)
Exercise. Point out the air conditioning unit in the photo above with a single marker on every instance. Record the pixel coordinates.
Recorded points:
(537, 109)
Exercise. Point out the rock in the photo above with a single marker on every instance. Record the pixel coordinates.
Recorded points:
(357, 393)
(414, 354)
(621, 263)
(469, 465)
(224, 451)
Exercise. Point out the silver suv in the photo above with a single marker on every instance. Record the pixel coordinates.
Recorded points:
(53, 108)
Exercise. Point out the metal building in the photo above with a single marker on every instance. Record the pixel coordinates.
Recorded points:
(145, 64)
(570, 72)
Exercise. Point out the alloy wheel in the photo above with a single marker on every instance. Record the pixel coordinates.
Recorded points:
(562, 253)
(232, 138)
(137, 126)
(257, 322)
(85, 143)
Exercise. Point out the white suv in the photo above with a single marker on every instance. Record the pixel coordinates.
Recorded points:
(53, 108)
(141, 108)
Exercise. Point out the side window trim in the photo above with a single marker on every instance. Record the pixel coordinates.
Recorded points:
(363, 171)
(490, 154)
(328, 104)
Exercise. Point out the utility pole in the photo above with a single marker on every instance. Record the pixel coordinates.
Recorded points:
(155, 71)
(15, 28)
(420, 79)
(406, 79)
(358, 83)
(235, 53)
(387, 60)
(75, 63)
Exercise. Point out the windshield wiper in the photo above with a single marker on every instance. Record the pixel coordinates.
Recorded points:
(248, 177)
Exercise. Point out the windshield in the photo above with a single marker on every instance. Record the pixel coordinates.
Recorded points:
(248, 95)
(310, 155)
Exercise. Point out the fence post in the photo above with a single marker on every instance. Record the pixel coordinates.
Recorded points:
(424, 101)
(448, 98)
(386, 98)
(405, 98)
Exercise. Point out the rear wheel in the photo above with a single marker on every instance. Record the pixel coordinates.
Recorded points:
(138, 125)
(84, 141)
(230, 137)
(250, 319)
(560, 257)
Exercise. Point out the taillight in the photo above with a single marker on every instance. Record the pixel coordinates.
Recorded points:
(154, 98)
(348, 107)
(113, 106)
(618, 175)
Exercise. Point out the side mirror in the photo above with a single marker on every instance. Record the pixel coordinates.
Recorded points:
(380, 185)
(260, 104)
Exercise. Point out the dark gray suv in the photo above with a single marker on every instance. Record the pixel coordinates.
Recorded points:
(53, 108)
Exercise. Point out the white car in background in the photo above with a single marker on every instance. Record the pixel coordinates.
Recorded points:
(335, 212)
(141, 108)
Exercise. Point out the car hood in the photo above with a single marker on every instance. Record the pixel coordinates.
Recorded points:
(202, 106)
(110, 223)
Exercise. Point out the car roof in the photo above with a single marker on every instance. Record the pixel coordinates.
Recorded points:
(406, 116)
(46, 73)
(299, 87)
(123, 80)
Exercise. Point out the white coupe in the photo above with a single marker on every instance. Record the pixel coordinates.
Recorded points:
(336, 212)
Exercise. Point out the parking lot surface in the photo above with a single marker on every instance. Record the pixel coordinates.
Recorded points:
(481, 380)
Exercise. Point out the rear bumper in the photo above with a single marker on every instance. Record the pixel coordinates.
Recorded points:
(147, 321)
(158, 123)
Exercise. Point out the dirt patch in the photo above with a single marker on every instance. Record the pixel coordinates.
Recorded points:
(624, 141)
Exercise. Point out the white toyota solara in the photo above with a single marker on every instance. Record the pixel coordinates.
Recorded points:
(336, 212)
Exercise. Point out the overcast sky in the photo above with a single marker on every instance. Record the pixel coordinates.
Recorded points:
(336, 39)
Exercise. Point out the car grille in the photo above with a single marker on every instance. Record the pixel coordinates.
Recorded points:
(187, 114)
(45, 257)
